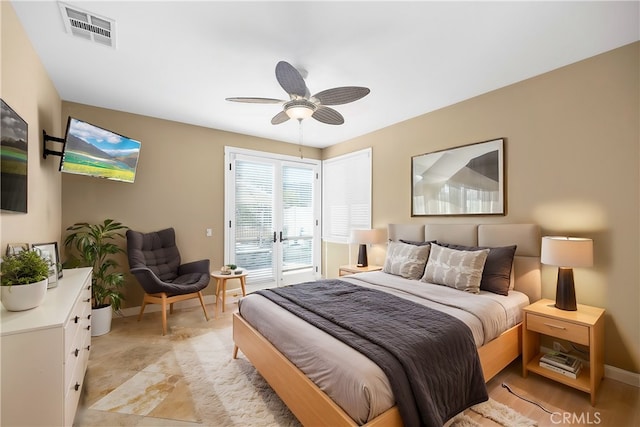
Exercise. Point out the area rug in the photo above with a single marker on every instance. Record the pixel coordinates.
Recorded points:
(502, 414)
(223, 391)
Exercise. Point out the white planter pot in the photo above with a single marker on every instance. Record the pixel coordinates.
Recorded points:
(101, 320)
(24, 297)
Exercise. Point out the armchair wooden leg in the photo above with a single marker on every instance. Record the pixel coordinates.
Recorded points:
(144, 303)
(235, 351)
(164, 314)
(206, 315)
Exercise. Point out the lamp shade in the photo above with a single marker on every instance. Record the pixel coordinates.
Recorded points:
(567, 251)
(299, 112)
(367, 237)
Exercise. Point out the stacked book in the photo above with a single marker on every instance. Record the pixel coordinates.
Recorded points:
(561, 363)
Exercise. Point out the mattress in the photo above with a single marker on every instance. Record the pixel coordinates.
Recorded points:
(350, 379)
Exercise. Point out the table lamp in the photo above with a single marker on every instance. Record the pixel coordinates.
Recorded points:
(364, 238)
(566, 253)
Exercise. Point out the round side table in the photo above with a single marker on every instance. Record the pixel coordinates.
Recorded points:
(221, 284)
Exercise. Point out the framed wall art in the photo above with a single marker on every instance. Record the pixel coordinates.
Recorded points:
(13, 160)
(467, 180)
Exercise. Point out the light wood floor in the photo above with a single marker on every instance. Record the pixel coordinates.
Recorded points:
(618, 404)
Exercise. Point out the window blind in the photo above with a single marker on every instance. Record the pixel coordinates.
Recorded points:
(346, 195)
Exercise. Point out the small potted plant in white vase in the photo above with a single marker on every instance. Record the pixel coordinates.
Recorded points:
(24, 280)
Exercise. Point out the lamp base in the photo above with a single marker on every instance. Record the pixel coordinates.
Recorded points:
(565, 290)
(362, 256)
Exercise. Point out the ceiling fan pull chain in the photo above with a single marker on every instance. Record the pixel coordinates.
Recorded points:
(300, 139)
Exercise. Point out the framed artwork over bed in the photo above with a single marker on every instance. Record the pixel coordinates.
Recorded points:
(466, 180)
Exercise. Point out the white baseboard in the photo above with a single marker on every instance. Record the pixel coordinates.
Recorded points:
(621, 375)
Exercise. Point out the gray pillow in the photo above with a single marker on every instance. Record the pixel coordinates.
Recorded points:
(460, 270)
(497, 274)
(406, 260)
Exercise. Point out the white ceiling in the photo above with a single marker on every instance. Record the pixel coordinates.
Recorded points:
(179, 60)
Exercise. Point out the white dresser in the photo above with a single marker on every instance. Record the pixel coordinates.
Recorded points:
(44, 353)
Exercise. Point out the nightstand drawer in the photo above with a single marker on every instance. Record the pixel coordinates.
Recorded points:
(558, 328)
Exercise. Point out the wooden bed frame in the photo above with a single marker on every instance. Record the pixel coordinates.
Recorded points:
(312, 406)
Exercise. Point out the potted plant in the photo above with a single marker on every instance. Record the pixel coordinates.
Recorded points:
(24, 280)
(94, 246)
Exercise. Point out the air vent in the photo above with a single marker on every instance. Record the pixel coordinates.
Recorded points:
(88, 26)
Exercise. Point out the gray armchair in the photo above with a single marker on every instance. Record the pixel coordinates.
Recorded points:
(155, 261)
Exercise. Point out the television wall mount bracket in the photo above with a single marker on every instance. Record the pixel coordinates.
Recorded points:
(45, 150)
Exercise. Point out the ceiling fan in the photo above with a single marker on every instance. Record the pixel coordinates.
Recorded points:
(301, 105)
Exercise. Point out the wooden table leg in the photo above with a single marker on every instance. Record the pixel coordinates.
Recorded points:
(243, 285)
(218, 286)
(224, 293)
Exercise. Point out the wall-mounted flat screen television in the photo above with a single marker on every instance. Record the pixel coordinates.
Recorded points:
(95, 151)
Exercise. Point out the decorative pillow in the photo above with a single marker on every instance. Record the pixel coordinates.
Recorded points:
(496, 276)
(416, 243)
(406, 260)
(461, 270)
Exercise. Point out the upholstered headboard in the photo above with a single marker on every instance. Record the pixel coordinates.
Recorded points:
(526, 262)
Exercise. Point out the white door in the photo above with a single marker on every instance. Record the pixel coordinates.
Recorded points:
(272, 216)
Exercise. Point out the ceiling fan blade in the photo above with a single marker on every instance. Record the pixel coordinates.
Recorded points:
(291, 80)
(255, 100)
(328, 115)
(281, 117)
(341, 95)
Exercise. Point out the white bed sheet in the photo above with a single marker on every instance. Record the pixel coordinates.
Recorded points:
(353, 381)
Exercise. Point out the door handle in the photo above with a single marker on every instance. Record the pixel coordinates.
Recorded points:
(275, 239)
(281, 239)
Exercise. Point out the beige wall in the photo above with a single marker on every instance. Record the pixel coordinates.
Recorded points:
(179, 183)
(572, 166)
(573, 161)
(26, 87)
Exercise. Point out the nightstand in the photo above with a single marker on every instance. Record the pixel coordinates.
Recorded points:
(584, 326)
(351, 269)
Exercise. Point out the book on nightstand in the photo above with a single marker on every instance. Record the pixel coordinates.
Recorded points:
(566, 373)
(562, 361)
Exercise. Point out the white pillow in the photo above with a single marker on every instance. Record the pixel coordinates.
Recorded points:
(406, 260)
(461, 270)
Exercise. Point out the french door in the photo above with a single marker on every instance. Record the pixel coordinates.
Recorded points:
(272, 216)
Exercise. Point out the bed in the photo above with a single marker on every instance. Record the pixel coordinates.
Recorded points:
(304, 364)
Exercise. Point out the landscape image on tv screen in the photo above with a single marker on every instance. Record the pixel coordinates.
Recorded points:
(94, 151)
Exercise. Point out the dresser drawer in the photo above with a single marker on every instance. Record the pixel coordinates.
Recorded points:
(74, 386)
(558, 328)
(78, 320)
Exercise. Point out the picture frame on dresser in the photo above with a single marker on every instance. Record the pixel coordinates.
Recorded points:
(16, 248)
(465, 180)
(49, 251)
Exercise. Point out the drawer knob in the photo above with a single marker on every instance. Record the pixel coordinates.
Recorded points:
(89, 328)
(88, 347)
(87, 300)
(76, 387)
(76, 352)
(75, 319)
(89, 317)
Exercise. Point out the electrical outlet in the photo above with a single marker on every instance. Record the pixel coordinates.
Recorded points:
(209, 232)
(559, 347)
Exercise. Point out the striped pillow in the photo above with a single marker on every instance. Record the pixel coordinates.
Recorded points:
(406, 260)
(460, 270)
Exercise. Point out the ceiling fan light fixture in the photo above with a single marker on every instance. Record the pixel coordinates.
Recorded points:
(299, 109)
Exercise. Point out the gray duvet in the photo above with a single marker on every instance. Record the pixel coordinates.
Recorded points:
(429, 357)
